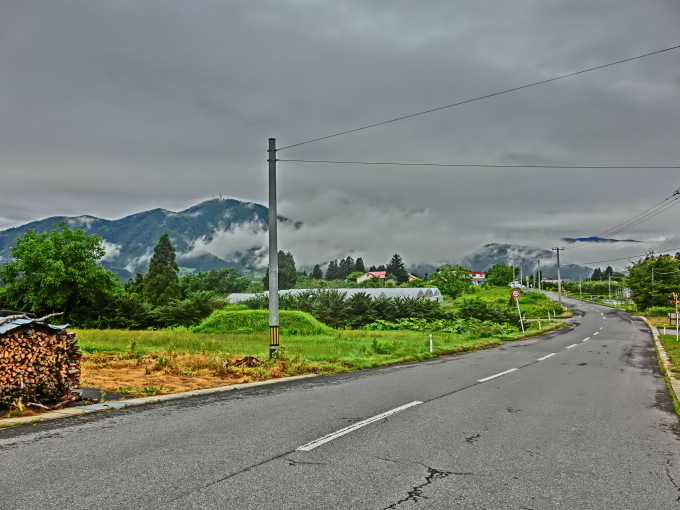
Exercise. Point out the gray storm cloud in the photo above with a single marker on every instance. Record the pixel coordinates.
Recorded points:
(112, 108)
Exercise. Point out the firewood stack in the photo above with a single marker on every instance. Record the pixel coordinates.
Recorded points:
(38, 363)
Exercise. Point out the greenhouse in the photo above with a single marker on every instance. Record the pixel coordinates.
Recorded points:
(429, 293)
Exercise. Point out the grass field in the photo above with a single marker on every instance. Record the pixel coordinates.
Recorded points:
(155, 362)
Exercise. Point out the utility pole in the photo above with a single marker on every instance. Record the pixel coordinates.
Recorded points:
(559, 278)
(273, 254)
(540, 276)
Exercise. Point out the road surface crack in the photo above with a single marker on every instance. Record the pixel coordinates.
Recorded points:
(670, 477)
(472, 439)
(416, 493)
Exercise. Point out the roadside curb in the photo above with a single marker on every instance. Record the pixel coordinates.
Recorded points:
(663, 358)
(117, 404)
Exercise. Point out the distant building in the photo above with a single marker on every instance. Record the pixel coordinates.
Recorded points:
(477, 277)
(382, 275)
(429, 293)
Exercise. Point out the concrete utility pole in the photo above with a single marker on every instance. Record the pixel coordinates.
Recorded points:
(273, 254)
(540, 276)
(559, 278)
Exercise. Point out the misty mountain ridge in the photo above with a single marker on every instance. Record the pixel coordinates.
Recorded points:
(525, 257)
(222, 233)
(129, 241)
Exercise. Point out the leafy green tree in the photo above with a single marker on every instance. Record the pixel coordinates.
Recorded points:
(221, 281)
(397, 269)
(499, 275)
(452, 280)
(161, 283)
(597, 274)
(189, 311)
(287, 273)
(359, 265)
(352, 277)
(57, 271)
(317, 273)
(653, 280)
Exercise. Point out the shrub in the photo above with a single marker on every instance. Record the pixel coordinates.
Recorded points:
(257, 321)
(659, 311)
(485, 311)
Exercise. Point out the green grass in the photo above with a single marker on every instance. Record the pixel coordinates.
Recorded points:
(532, 304)
(257, 321)
(348, 349)
(672, 349)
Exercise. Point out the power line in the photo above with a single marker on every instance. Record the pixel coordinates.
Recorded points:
(629, 257)
(636, 220)
(479, 98)
(473, 165)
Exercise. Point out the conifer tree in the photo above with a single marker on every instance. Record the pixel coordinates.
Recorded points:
(288, 274)
(161, 283)
(397, 268)
(359, 265)
(332, 271)
(317, 273)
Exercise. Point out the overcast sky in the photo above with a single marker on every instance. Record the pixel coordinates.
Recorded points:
(109, 108)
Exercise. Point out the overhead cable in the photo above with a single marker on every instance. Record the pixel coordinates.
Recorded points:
(487, 96)
(476, 165)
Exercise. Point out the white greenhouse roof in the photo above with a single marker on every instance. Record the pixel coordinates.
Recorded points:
(429, 293)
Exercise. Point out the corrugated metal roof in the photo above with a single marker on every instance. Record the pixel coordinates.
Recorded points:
(17, 323)
(431, 293)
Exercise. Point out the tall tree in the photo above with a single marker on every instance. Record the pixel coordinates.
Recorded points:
(57, 271)
(499, 275)
(653, 280)
(161, 284)
(359, 265)
(343, 269)
(452, 280)
(397, 268)
(222, 281)
(332, 271)
(287, 272)
(317, 273)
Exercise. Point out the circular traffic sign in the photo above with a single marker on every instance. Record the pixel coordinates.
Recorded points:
(515, 293)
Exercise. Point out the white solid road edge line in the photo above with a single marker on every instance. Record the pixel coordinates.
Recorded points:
(546, 357)
(572, 345)
(334, 435)
(496, 375)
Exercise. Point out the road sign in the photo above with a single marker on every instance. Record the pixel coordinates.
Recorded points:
(515, 293)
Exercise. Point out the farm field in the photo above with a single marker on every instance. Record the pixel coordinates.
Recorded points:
(142, 363)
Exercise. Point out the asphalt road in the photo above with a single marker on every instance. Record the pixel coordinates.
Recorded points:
(579, 419)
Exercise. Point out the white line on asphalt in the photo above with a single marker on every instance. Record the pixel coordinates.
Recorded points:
(585, 339)
(546, 357)
(596, 333)
(496, 375)
(572, 345)
(353, 427)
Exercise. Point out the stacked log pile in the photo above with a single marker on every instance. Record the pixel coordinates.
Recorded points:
(38, 363)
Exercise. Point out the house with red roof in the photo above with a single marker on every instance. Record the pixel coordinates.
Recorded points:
(382, 275)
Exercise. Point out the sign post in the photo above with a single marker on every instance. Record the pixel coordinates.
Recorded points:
(515, 294)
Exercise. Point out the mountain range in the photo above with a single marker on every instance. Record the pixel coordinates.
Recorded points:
(204, 238)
